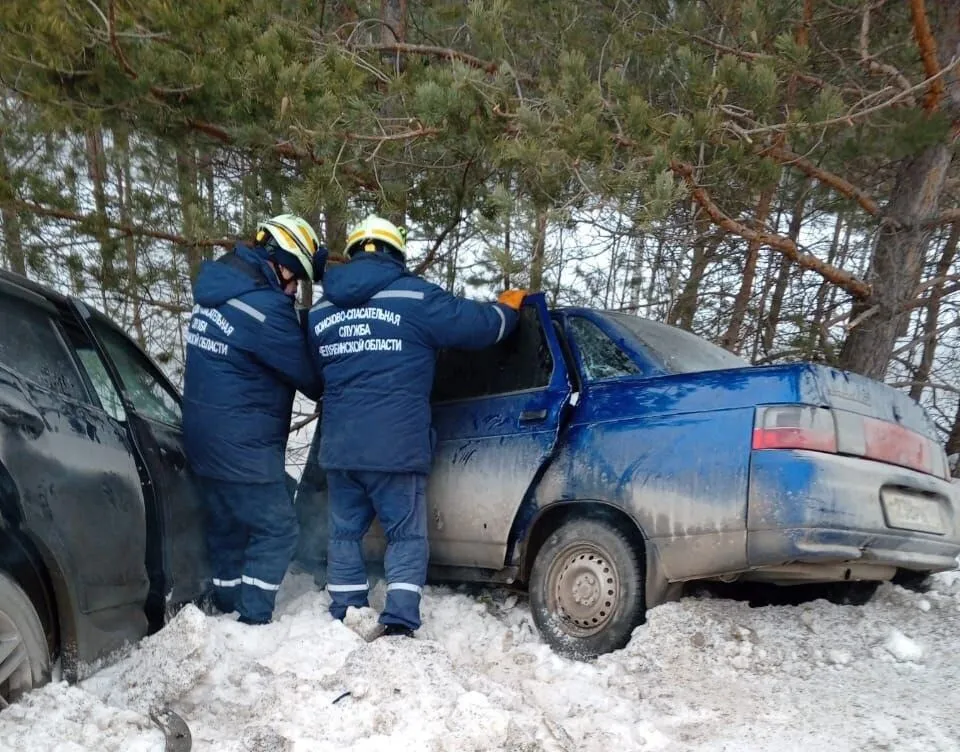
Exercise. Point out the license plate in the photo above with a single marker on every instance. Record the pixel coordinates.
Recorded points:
(911, 512)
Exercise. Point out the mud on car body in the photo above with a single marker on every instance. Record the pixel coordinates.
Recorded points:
(101, 531)
(600, 461)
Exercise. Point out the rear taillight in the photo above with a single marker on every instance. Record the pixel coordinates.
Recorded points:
(896, 445)
(819, 429)
(795, 427)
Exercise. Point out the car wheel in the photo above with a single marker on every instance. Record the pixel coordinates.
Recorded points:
(24, 657)
(586, 588)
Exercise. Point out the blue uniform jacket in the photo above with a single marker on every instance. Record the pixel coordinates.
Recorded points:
(246, 357)
(374, 336)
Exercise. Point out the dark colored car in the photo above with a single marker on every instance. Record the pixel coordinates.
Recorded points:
(600, 460)
(100, 522)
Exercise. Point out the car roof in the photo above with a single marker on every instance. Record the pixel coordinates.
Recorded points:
(29, 285)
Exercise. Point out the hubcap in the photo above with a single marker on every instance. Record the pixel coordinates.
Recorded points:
(15, 674)
(584, 589)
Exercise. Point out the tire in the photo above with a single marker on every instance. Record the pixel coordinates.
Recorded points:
(575, 616)
(24, 657)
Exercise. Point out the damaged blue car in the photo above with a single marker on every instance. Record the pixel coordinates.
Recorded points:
(600, 461)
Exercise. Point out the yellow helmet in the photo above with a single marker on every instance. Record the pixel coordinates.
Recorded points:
(297, 241)
(375, 228)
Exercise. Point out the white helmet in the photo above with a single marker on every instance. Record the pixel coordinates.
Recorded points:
(297, 241)
(375, 228)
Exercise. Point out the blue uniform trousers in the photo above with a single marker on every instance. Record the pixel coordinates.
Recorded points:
(399, 501)
(251, 536)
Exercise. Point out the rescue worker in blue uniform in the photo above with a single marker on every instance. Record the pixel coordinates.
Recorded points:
(374, 336)
(246, 358)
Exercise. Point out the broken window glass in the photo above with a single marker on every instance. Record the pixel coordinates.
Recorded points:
(600, 356)
(31, 346)
(522, 361)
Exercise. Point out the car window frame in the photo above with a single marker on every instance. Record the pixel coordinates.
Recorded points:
(514, 392)
(95, 319)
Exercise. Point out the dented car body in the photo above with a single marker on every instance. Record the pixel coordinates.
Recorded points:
(100, 521)
(703, 468)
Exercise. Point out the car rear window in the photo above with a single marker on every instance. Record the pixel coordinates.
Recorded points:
(678, 350)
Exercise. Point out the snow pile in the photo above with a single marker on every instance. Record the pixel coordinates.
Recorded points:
(701, 674)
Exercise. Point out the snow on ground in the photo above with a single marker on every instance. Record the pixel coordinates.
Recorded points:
(701, 674)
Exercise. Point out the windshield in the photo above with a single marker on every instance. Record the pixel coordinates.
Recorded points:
(678, 350)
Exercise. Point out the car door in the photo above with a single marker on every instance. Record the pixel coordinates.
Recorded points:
(497, 413)
(175, 523)
(76, 489)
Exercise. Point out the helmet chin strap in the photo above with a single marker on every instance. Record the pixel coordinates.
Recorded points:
(284, 283)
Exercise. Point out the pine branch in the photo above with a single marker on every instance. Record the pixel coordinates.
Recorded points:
(442, 52)
(221, 134)
(856, 287)
(872, 64)
(856, 115)
(111, 22)
(928, 53)
(125, 230)
(380, 139)
(844, 187)
(814, 81)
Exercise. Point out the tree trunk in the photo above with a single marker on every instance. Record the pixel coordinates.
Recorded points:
(190, 206)
(655, 267)
(124, 196)
(393, 30)
(704, 252)
(507, 252)
(451, 263)
(816, 339)
(933, 314)
(538, 255)
(831, 292)
(106, 275)
(335, 225)
(897, 263)
(953, 441)
(636, 271)
(772, 319)
(731, 339)
(13, 253)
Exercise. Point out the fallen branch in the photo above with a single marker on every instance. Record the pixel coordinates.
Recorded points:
(125, 230)
(856, 287)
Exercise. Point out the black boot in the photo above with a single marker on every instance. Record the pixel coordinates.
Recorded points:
(253, 622)
(397, 630)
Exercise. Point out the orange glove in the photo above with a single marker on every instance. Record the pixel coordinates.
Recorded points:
(512, 298)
